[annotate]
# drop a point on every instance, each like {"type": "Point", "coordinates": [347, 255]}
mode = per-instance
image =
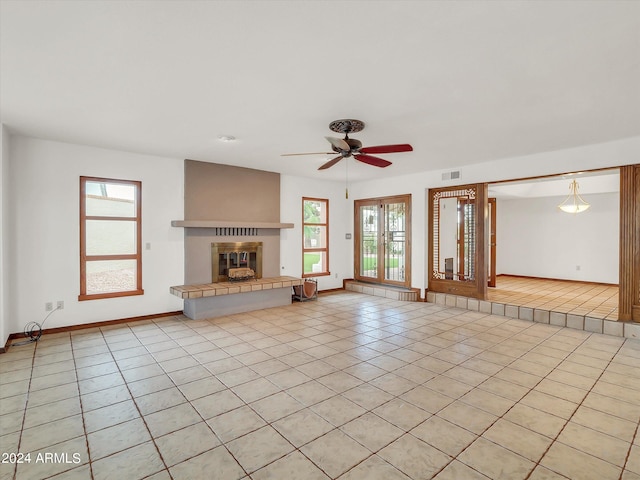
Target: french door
{"type": "Point", "coordinates": [383, 240]}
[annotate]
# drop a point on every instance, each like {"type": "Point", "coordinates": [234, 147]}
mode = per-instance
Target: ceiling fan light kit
{"type": "Point", "coordinates": [350, 147]}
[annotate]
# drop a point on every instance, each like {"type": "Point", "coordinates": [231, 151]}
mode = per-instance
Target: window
{"type": "Point", "coordinates": [315, 238]}
{"type": "Point", "coordinates": [110, 238]}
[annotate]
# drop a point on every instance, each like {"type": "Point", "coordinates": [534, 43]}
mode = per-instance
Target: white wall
{"type": "Point", "coordinates": [610, 154]}
{"type": "Point", "coordinates": [292, 189]}
{"type": "Point", "coordinates": [40, 233]}
{"type": "Point", "coordinates": [45, 231]}
{"type": "Point", "coordinates": [535, 239]}
{"type": "Point", "coordinates": [5, 257]}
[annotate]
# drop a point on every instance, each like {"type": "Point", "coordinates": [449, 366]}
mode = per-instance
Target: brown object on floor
{"type": "Point", "coordinates": [307, 291]}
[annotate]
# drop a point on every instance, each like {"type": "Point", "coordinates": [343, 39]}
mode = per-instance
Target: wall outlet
{"type": "Point", "coordinates": [578, 267]}
{"type": "Point", "coordinates": [48, 306]}
{"type": "Point", "coordinates": [60, 305]}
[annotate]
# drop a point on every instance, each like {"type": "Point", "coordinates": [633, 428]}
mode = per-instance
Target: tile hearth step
{"type": "Point", "coordinates": [230, 288]}
{"type": "Point", "coordinates": [386, 291]}
{"type": "Point", "coordinates": [538, 315]}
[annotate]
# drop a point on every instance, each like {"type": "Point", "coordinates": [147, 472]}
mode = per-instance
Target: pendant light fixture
{"type": "Point", "coordinates": [574, 203]}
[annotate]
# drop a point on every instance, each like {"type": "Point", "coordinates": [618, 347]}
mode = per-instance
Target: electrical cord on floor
{"type": "Point", "coordinates": [33, 330]}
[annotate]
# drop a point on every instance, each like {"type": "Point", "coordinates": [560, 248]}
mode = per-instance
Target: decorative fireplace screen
{"type": "Point", "coordinates": [231, 255]}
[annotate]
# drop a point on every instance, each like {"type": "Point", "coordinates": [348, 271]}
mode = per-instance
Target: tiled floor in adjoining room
{"type": "Point", "coordinates": [597, 300]}
{"type": "Point", "coordinates": [349, 386]}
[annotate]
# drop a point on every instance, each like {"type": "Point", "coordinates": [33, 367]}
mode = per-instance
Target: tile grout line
{"type": "Point", "coordinates": [453, 458]}
{"type": "Point", "coordinates": [405, 324]}
{"type": "Point", "coordinates": [633, 439]}
{"type": "Point", "coordinates": [507, 411]}
{"type": "Point", "coordinates": [107, 344]}
{"type": "Point", "coordinates": [26, 405]}
{"type": "Point", "coordinates": [443, 348]}
{"type": "Point", "coordinates": [541, 341]}
{"type": "Point", "coordinates": [84, 425]}
{"type": "Point", "coordinates": [135, 404]}
{"type": "Point", "coordinates": [574, 412]}
{"type": "Point", "coordinates": [222, 443]}
{"type": "Point", "coordinates": [268, 423]}
{"type": "Point", "coordinates": [283, 390]}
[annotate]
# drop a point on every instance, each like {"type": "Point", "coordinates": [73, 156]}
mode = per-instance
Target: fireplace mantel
{"type": "Point", "coordinates": [227, 224]}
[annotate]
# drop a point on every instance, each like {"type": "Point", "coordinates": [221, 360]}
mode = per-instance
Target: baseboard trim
{"type": "Point", "coordinates": [555, 279]}
{"type": "Point", "coordinates": [331, 290]}
{"type": "Point", "coordinates": [105, 323]}
{"type": "Point", "coordinates": [6, 346]}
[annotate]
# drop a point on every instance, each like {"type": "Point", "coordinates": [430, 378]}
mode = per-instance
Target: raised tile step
{"type": "Point", "coordinates": [224, 298]}
{"type": "Point", "coordinates": [230, 288]}
{"type": "Point", "coordinates": [578, 322]}
{"type": "Point", "coordinates": [386, 291]}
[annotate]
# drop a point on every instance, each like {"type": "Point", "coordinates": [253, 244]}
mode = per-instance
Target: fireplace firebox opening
{"type": "Point", "coordinates": [227, 256]}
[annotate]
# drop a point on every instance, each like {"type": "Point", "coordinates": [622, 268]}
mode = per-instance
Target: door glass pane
{"type": "Point", "coordinates": [110, 199]}
{"type": "Point", "coordinates": [111, 237]}
{"type": "Point", "coordinates": [469, 240]}
{"type": "Point", "coordinates": [369, 239]}
{"type": "Point", "coordinates": [108, 276]}
{"type": "Point", "coordinates": [394, 241]}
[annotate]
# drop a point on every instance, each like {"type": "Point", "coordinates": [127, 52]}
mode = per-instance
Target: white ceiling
{"type": "Point", "coordinates": [462, 81]}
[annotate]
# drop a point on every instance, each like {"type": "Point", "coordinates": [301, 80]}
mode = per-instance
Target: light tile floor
{"type": "Point", "coordinates": [595, 300]}
{"type": "Point", "coordinates": [349, 386]}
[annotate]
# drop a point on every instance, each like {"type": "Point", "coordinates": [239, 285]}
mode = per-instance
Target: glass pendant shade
{"type": "Point", "coordinates": [574, 203]}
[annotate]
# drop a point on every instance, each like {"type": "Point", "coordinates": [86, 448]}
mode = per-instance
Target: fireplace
{"type": "Point", "coordinates": [226, 256]}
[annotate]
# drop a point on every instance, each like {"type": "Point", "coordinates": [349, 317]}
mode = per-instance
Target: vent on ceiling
{"type": "Point", "coordinates": [451, 175]}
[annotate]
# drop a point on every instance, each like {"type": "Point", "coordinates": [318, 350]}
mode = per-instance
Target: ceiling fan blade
{"type": "Point", "coordinates": [403, 147]}
{"type": "Point", "coordinates": [339, 143]}
{"type": "Point", "coordinates": [312, 153]}
{"type": "Point", "coordinates": [330, 163]}
{"type": "Point", "coordinates": [375, 161]}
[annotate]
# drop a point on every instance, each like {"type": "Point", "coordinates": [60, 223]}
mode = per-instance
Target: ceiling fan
{"type": "Point", "coordinates": [350, 147]}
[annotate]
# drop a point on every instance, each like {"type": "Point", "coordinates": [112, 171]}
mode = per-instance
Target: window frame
{"type": "Point", "coordinates": [324, 249]}
{"type": "Point", "coordinates": [84, 258]}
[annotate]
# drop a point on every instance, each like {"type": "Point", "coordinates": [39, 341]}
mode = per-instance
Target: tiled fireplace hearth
{"type": "Point", "coordinates": [212, 250]}
{"type": "Point", "coordinates": [225, 298]}
{"type": "Point", "coordinates": [230, 288]}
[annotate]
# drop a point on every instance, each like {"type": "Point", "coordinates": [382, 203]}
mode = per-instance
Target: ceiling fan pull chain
{"type": "Point", "coordinates": [346, 187]}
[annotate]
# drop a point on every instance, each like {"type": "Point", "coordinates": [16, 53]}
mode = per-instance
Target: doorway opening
{"type": "Point", "coordinates": [544, 258]}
